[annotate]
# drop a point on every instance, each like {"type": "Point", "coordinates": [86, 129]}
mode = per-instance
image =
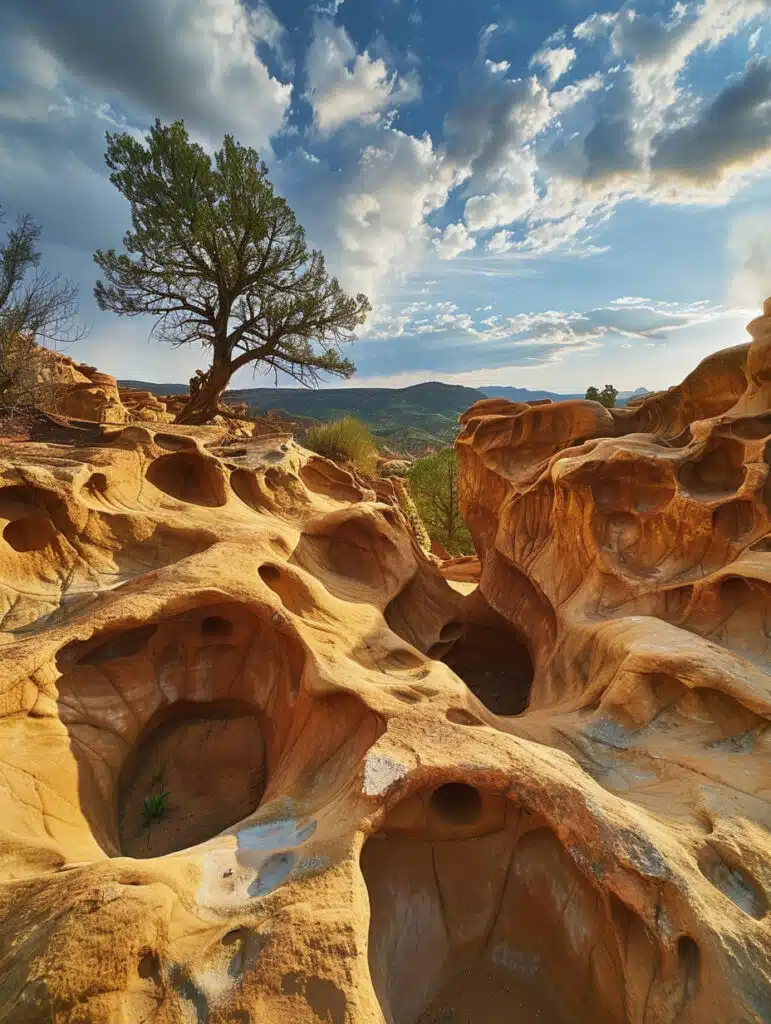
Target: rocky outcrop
{"type": "Point", "coordinates": [82, 392]}
{"type": "Point", "coordinates": [264, 760]}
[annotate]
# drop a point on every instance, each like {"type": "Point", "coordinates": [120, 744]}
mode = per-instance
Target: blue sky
{"type": "Point", "coordinates": [545, 195]}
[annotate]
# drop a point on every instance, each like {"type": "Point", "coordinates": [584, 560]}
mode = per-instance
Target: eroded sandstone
{"type": "Point", "coordinates": [392, 794]}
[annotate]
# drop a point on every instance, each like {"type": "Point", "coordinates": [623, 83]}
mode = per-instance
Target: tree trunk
{"type": "Point", "coordinates": [202, 405]}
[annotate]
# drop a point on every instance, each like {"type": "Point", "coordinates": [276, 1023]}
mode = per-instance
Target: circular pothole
{"type": "Point", "coordinates": [195, 773]}
{"type": "Point", "coordinates": [456, 803]}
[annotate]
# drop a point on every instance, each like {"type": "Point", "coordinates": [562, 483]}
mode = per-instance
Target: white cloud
{"type": "Point", "coordinates": [555, 61]}
{"type": "Point", "coordinates": [346, 86]}
{"type": "Point", "coordinates": [369, 216]}
{"type": "Point", "coordinates": [440, 337]}
{"type": "Point", "coordinates": [195, 60]}
{"type": "Point", "coordinates": [749, 248]}
{"type": "Point", "coordinates": [454, 240]}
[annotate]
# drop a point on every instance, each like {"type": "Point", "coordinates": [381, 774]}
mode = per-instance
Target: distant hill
{"type": "Point", "coordinates": [524, 395]}
{"type": "Point", "coordinates": [405, 419]}
{"type": "Point", "coordinates": [156, 389]}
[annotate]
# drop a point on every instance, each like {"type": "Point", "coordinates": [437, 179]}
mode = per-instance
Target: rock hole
{"type": "Point", "coordinates": [456, 803]}
{"type": "Point", "coordinates": [400, 660]}
{"type": "Point", "coordinates": [690, 965]}
{"type": "Point", "coordinates": [325, 478]}
{"type": "Point", "coordinates": [681, 440]}
{"type": "Point", "coordinates": [734, 520]}
{"type": "Point", "coordinates": [491, 930]}
{"type": "Point", "coordinates": [451, 631]}
{"type": "Point", "coordinates": [215, 627]}
{"type": "Point", "coordinates": [149, 968]}
{"type": "Point", "coordinates": [123, 645]}
{"type": "Point", "coordinates": [190, 478]}
{"type": "Point", "coordinates": [459, 716]}
{"type": "Point", "coordinates": [293, 592]}
{"type": "Point", "coordinates": [495, 665]}
{"type": "Point", "coordinates": [752, 428]}
{"type": "Point", "coordinates": [96, 485]}
{"type": "Point", "coordinates": [734, 882]}
{"type": "Point", "coordinates": [717, 471]}
{"type": "Point", "coordinates": [406, 696]}
{"type": "Point", "coordinates": [246, 487]}
{"type": "Point", "coordinates": [209, 760]}
{"type": "Point", "coordinates": [31, 534]}
{"type": "Point", "coordinates": [174, 442]}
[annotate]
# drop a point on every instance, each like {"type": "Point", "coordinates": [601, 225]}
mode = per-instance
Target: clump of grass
{"type": "Point", "coordinates": [345, 440]}
{"type": "Point", "coordinates": [155, 806]}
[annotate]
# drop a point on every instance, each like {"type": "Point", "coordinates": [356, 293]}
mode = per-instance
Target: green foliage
{"type": "Point", "coordinates": [434, 487]}
{"type": "Point", "coordinates": [33, 304]}
{"type": "Point", "coordinates": [606, 397]}
{"type": "Point", "coordinates": [395, 467]}
{"type": "Point", "coordinates": [344, 440]}
{"type": "Point", "coordinates": [219, 259]}
{"type": "Point", "coordinates": [155, 806]}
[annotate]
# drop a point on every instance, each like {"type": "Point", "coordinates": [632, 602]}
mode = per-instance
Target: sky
{"type": "Point", "coordinates": [546, 195]}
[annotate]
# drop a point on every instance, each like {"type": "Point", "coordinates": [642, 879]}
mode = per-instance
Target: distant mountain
{"type": "Point", "coordinates": [156, 389]}
{"type": "Point", "coordinates": [525, 395]}
{"type": "Point", "coordinates": [405, 419]}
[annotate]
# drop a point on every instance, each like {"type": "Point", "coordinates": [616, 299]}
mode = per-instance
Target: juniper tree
{"type": "Point", "coordinates": [218, 258]}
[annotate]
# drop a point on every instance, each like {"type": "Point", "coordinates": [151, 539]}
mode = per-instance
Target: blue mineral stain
{"type": "Point", "coordinates": [273, 873]}
{"type": "Point", "coordinates": [612, 734]}
{"type": "Point", "coordinates": [275, 835]}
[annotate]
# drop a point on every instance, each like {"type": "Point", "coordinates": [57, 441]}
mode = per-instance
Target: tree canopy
{"type": "Point", "coordinates": [606, 397]}
{"type": "Point", "coordinates": [34, 304]}
{"type": "Point", "coordinates": [434, 486]}
{"type": "Point", "coordinates": [219, 259]}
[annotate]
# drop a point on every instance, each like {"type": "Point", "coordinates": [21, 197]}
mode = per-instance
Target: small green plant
{"type": "Point", "coordinates": [345, 440]}
{"type": "Point", "coordinates": [155, 806]}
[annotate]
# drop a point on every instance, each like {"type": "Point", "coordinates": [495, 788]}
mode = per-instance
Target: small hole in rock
{"type": "Point", "coordinates": [97, 484]}
{"type": "Point", "coordinates": [450, 631]}
{"type": "Point", "coordinates": [215, 626]}
{"type": "Point", "coordinates": [456, 803]}
{"type": "Point", "coordinates": [150, 968]}
{"type": "Point", "coordinates": [459, 716]}
{"type": "Point", "coordinates": [690, 965]}
{"type": "Point", "coordinates": [31, 534]}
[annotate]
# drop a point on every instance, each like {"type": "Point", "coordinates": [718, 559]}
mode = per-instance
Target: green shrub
{"type": "Point", "coordinates": [345, 440]}
{"type": "Point", "coordinates": [434, 487]}
{"type": "Point", "coordinates": [155, 806]}
{"type": "Point", "coordinates": [393, 468]}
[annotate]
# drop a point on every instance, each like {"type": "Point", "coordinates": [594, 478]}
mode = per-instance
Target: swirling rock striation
{"type": "Point", "coordinates": [263, 760]}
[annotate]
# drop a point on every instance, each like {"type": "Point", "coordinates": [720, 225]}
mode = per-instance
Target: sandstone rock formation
{"type": "Point", "coordinates": [262, 762]}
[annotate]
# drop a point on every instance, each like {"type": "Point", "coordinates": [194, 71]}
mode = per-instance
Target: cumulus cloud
{"type": "Point", "coordinates": [196, 60]}
{"type": "Point", "coordinates": [349, 86]}
{"type": "Point", "coordinates": [369, 216]}
{"type": "Point", "coordinates": [555, 61]}
{"type": "Point", "coordinates": [452, 241]}
{"type": "Point", "coordinates": [441, 338]}
{"type": "Point", "coordinates": [730, 134]}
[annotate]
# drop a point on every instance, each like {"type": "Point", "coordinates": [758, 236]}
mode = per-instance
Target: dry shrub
{"type": "Point", "coordinates": [344, 440]}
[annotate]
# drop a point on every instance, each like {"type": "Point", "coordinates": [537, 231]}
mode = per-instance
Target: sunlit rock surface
{"type": "Point", "coordinates": [260, 761]}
